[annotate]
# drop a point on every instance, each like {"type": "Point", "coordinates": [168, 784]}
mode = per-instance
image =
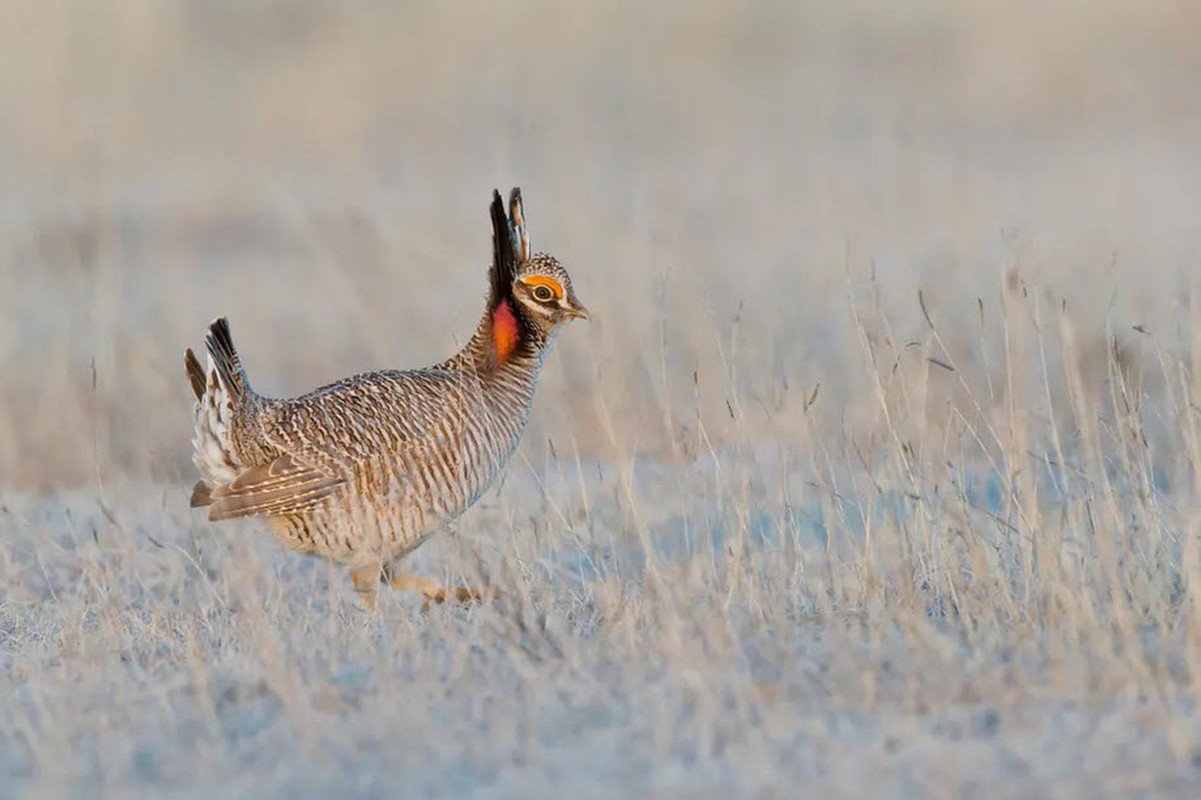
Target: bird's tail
{"type": "Point", "coordinates": [221, 389]}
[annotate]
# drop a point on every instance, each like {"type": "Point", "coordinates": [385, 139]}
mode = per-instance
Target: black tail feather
{"type": "Point", "coordinates": [220, 345]}
{"type": "Point", "coordinates": [195, 373]}
{"type": "Point", "coordinates": [202, 495]}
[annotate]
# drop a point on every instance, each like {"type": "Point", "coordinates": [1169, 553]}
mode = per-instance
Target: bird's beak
{"type": "Point", "coordinates": [579, 312]}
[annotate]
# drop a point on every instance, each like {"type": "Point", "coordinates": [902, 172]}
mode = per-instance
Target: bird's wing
{"type": "Point", "coordinates": [283, 486]}
{"type": "Point", "coordinates": [328, 436]}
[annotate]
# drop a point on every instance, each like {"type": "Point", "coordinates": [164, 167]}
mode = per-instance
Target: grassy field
{"type": "Point", "coordinates": [877, 475]}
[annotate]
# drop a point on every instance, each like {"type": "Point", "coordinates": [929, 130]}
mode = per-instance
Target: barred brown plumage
{"type": "Point", "coordinates": [363, 470]}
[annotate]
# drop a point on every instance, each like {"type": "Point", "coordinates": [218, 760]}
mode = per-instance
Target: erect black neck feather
{"type": "Point", "coordinates": [504, 256]}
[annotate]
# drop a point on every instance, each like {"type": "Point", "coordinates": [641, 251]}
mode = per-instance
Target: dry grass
{"type": "Point", "coordinates": [780, 526]}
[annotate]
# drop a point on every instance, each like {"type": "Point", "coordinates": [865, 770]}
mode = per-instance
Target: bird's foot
{"type": "Point", "coordinates": [461, 594]}
{"type": "Point", "coordinates": [437, 593]}
{"type": "Point", "coordinates": [366, 580]}
{"type": "Point", "coordinates": [365, 583]}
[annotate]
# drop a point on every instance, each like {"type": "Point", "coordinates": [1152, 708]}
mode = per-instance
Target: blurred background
{"type": "Point", "coordinates": [724, 180]}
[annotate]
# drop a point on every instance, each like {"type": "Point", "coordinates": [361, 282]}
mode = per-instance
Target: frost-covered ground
{"type": "Point", "coordinates": [653, 639]}
{"type": "Point", "coordinates": [780, 526]}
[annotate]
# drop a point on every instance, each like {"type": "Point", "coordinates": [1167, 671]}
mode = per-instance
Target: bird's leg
{"type": "Point", "coordinates": [365, 582]}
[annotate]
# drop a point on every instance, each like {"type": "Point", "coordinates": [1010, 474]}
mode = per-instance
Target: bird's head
{"type": "Point", "coordinates": [531, 292]}
{"type": "Point", "coordinates": [543, 290]}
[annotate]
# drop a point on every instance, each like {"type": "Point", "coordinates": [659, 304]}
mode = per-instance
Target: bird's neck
{"type": "Point", "coordinates": [504, 342]}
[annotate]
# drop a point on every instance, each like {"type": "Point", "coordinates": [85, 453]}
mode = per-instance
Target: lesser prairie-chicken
{"type": "Point", "coordinates": [362, 471]}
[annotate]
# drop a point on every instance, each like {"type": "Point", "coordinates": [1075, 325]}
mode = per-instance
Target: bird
{"type": "Point", "coordinates": [364, 470]}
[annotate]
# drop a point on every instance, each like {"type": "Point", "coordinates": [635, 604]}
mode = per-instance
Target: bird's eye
{"type": "Point", "coordinates": [543, 293]}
